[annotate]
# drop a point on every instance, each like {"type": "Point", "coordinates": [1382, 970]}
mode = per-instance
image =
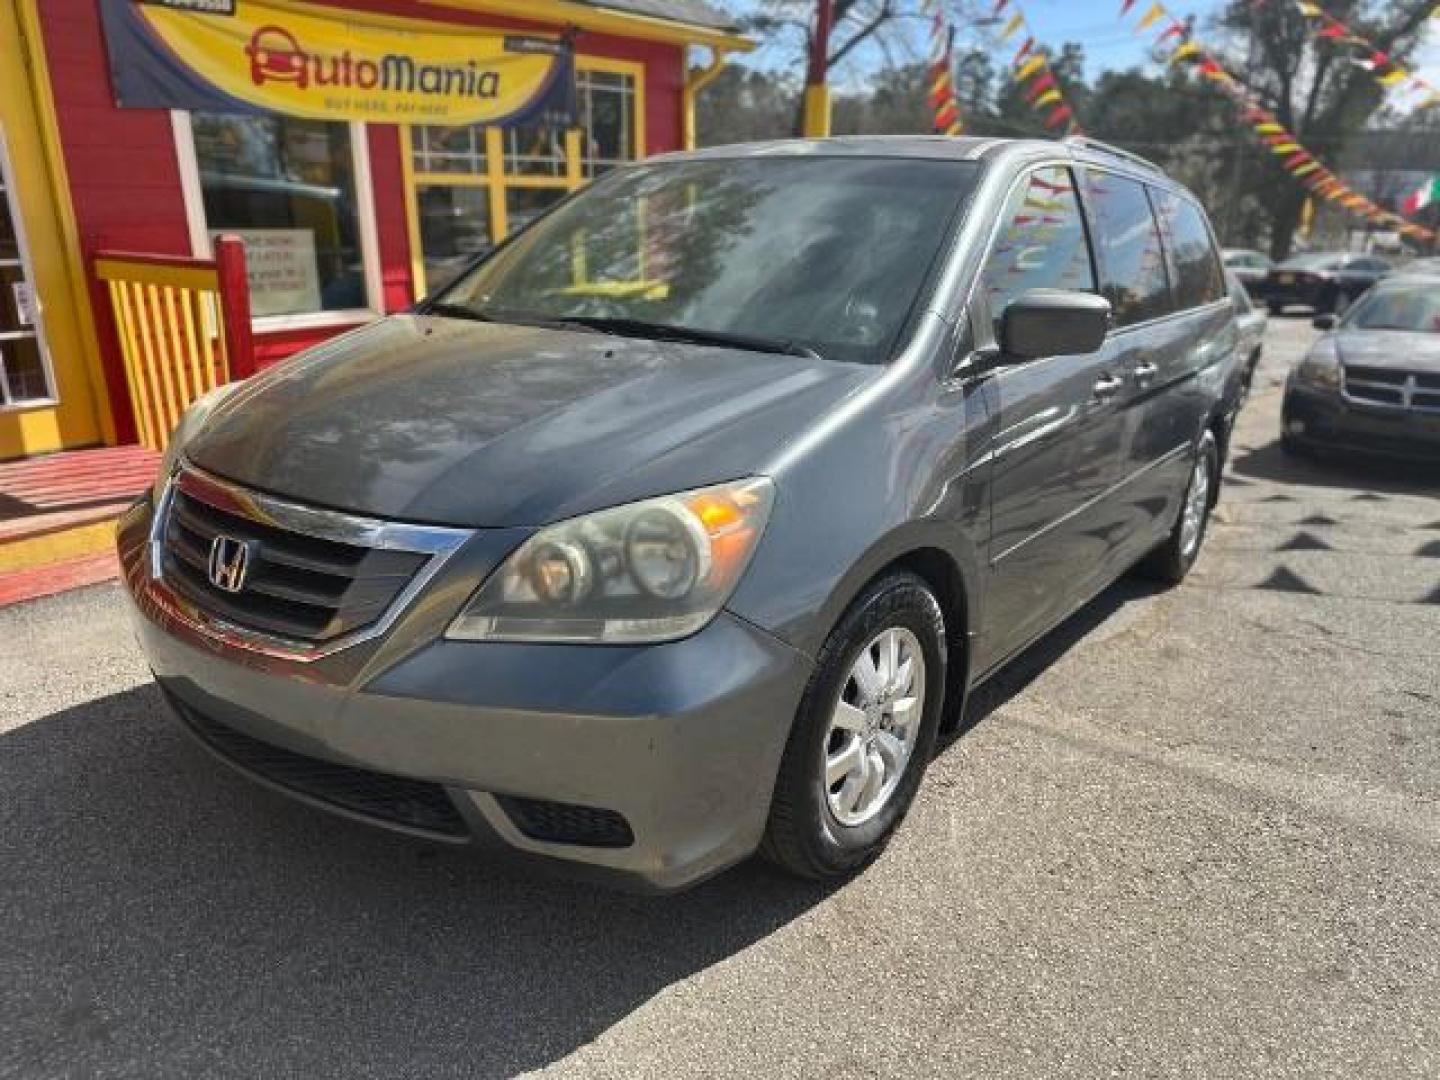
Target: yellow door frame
{"type": "Point", "coordinates": [27, 107]}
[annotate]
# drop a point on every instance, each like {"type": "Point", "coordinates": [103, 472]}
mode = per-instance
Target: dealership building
{"type": "Point", "coordinates": [361, 152]}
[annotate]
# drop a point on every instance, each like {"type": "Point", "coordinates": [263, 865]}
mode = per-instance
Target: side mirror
{"type": "Point", "coordinates": [1323, 322]}
{"type": "Point", "coordinates": [1053, 322]}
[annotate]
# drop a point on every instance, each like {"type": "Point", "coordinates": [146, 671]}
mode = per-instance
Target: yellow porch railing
{"type": "Point", "coordinates": [183, 327]}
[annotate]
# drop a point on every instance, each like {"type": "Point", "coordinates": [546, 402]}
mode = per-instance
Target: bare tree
{"type": "Point", "coordinates": [855, 23]}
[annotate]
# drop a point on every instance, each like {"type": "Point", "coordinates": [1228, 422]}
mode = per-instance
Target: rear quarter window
{"type": "Point", "coordinates": [1196, 272]}
{"type": "Point", "coordinates": [1127, 243]}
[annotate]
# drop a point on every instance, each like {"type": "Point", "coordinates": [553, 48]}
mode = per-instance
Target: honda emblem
{"type": "Point", "coordinates": [229, 563]}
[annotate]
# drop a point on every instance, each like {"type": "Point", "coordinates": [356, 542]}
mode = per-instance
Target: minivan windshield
{"type": "Point", "coordinates": [823, 255]}
{"type": "Point", "coordinates": [1415, 308]}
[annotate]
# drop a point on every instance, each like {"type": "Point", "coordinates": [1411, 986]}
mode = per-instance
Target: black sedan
{"type": "Point", "coordinates": [1373, 383]}
{"type": "Point", "coordinates": [1322, 281]}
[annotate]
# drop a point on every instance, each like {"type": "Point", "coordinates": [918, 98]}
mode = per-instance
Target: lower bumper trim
{"type": "Point", "coordinates": [562, 823]}
{"type": "Point", "coordinates": [391, 801]}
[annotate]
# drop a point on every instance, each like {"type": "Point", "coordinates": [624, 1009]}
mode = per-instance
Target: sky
{"type": "Point", "coordinates": [1108, 42]}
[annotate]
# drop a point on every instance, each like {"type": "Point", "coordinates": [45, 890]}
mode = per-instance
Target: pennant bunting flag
{"type": "Point", "coordinates": [1151, 17]}
{"type": "Point", "coordinates": [944, 105]}
{"type": "Point", "coordinates": [1031, 69]}
{"type": "Point", "coordinates": [1294, 158]}
{"type": "Point", "coordinates": [1325, 27]}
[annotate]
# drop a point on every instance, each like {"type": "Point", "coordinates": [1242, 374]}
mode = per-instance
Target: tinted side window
{"type": "Point", "coordinates": [1132, 263]}
{"type": "Point", "coordinates": [1198, 277]}
{"type": "Point", "coordinates": [1041, 243]}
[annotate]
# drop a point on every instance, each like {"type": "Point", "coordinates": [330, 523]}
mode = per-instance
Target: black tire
{"type": "Point", "coordinates": [1275, 309]}
{"type": "Point", "coordinates": [803, 835]}
{"type": "Point", "coordinates": [1171, 561]}
{"type": "Point", "coordinates": [1247, 384]}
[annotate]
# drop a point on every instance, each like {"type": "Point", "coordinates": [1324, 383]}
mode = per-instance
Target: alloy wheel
{"type": "Point", "coordinates": [1197, 505]}
{"type": "Point", "coordinates": [874, 726]}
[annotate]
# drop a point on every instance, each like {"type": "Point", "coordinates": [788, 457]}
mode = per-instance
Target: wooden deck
{"type": "Point", "coordinates": [57, 514]}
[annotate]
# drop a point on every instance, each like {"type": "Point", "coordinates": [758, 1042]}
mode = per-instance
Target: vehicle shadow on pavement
{"type": "Point", "coordinates": [1376, 474]}
{"type": "Point", "coordinates": [162, 916]}
{"type": "Point", "coordinates": [1019, 673]}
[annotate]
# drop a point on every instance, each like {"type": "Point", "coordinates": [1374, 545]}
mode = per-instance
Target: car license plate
{"type": "Point", "coordinates": [1286, 279]}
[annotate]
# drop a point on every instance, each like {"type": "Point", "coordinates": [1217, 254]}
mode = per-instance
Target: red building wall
{"type": "Point", "coordinates": [125, 180]}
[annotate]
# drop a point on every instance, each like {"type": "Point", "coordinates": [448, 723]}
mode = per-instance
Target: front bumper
{"type": "Point", "coordinates": [656, 763]}
{"type": "Point", "coordinates": [1327, 421]}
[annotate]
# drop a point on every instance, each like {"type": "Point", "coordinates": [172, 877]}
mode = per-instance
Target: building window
{"type": "Point", "coordinates": [24, 373]}
{"type": "Point", "coordinates": [289, 188]}
{"type": "Point", "coordinates": [475, 186]}
{"type": "Point", "coordinates": [606, 101]}
{"type": "Point", "coordinates": [454, 228]}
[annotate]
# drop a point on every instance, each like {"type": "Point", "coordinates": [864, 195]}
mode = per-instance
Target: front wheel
{"type": "Point", "coordinates": [1171, 561]}
{"type": "Point", "coordinates": [864, 732]}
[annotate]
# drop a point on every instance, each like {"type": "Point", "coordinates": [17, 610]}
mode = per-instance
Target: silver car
{"type": "Point", "coordinates": [680, 525]}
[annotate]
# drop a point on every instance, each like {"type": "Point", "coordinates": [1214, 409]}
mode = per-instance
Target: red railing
{"type": "Point", "coordinates": [183, 327]}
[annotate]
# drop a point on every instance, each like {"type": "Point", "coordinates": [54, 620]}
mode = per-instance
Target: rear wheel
{"type": "Point", "coordinates": [1171, 561]}
{"type": "Point", "coordinates": [864, 733]}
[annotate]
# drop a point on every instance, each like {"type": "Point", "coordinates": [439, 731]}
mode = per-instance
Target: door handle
{"type": "Point", "coordinates": [1145, 372]}
{"type": "Point", "coordinates": [1107, 386]}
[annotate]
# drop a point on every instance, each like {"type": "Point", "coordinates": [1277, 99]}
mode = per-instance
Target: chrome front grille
{"type": "Point", "coordinates": [311, 581]}
{"type": "Point", "coordinates": [1410, 390]}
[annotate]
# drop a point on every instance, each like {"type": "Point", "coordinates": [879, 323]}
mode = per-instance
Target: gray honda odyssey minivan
{"type": "Point", "coordinates": [679, 525]}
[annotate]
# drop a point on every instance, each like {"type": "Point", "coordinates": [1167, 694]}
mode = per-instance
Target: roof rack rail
{"type": "Point", "coordinates": [1087, 143]}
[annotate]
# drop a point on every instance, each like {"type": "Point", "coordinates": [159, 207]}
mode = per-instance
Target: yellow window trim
{"type": "Point", "coordinates": [495, 179]}
{"type": "Point", "coordinates": [444, 179]}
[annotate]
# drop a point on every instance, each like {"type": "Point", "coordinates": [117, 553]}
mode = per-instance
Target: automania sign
{"type": "Point", "coordinates": [324, 63]}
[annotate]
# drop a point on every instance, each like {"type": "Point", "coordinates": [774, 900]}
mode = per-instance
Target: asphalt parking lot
{"type": "Point", "coordinates": [1193, 833]}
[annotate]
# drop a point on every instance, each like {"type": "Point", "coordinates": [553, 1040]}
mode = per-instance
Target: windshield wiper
{"type": "Point", "coordinates": [694, 335]}
{"type": "Point", "coordinates": [495, 315]}
{"type": "Point", "coordinates": [454, 311]}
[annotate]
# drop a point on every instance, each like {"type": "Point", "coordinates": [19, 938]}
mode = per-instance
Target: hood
{"type": "Point", "coordinates": [1397, 350]}
{"type": "Point", "coordinates": [453, 422]}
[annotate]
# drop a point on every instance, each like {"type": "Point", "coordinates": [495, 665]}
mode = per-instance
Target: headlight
{"type": "Point", "coordinates": [1321, 367]}
{"type": "Point", "coordinates": [651, 571]}
{"type": "Point", "coordinates": [191, 421]}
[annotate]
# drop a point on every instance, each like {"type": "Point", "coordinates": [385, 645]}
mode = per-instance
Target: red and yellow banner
{"type": "Point", "coordinates": [329, 64]}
